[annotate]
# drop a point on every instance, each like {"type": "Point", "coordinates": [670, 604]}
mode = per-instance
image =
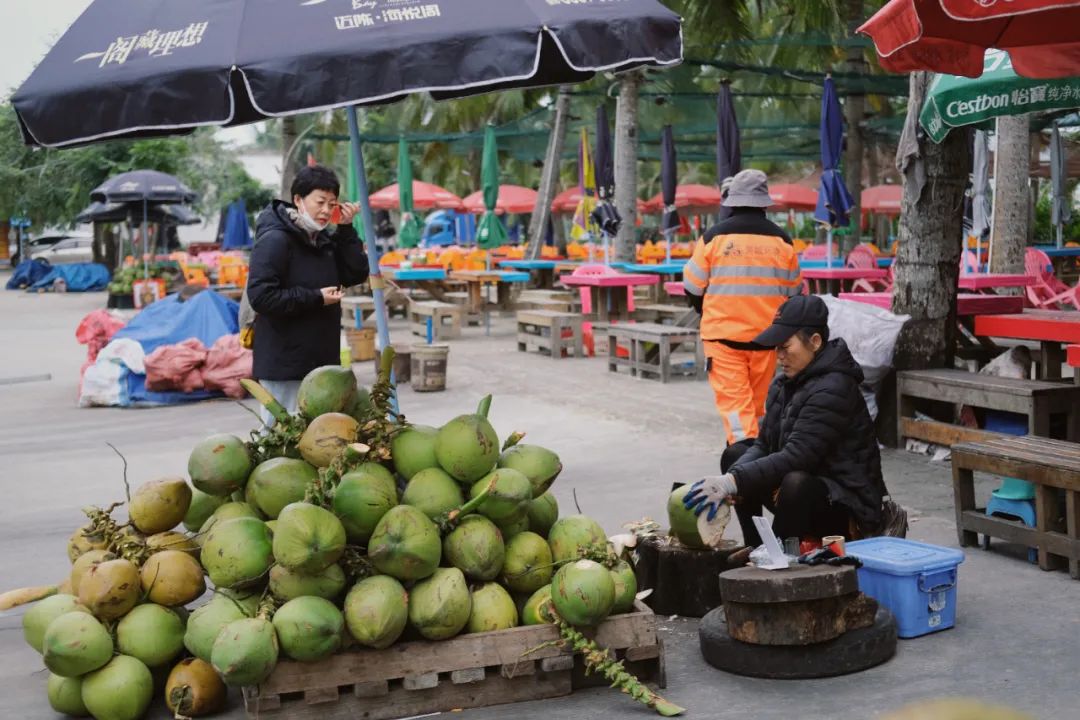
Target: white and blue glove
{"type": "Point", "coordinates": [710, 493]}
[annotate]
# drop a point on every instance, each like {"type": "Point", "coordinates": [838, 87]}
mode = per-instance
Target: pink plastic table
{"type": "Point", "coordinates": [674, 288]}
{"type": "Point", "coordinates": [609, 292]}
{"type": "Point", "coordinates": [967, 305]}
{"type": "Point", "coordinates": [989, 281]}
{"type": "Point", "coordinates": [833, 278]}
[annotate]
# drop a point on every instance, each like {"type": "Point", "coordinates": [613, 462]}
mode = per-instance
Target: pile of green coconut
{"type": "Point", "coordinates": [340, 528]}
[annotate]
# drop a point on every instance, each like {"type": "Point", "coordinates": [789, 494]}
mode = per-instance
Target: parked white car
{"type": "Point", "coordinates": [75, 248]}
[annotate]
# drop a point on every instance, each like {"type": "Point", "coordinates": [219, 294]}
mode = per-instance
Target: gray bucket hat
{"type": "Point", "coordinates": [749, 188]}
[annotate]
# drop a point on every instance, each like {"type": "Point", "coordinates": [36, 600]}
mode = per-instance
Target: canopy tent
{"type": "Point", "coordinates": [511, 199]}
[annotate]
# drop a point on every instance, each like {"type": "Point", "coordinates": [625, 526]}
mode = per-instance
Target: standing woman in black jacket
{"type": "Point", "coordinates": [815, 463]}
{"type": "Point", "coordinates": [295, 282]}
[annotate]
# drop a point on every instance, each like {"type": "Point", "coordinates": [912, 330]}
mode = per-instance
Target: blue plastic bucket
{"type": "Point", "coordinates": [915, 581]}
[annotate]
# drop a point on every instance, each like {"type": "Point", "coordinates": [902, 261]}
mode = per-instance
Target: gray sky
{"type": "Point", "coordinates": [32, 28]}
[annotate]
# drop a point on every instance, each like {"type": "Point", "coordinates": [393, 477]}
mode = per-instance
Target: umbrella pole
{"type": "Point", "coordinates": [667, 244]}
{"type": "Point", "coordinates": [828, 247]}
{"type": "Point", "coordinates": [375, 278]}
{"type": "Point", "coordinates": [145, 244]}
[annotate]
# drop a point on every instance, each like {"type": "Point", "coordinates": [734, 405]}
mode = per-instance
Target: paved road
{"type": "Point", "coordinates": [623, 442]}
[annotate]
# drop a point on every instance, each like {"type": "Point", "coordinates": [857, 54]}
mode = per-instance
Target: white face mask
{"type": "Point", "coordinates": [307, 222]}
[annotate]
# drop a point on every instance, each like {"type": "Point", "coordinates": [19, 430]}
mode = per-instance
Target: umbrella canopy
{"type": "Point", "coordinates": [690, 199]}
{"type": "Point", "coordinates": [728, 152]}
{"type": "Point", "coordinates": [410, 229]}
{"type": "Point", "coordinates": [143, 185]}
{"type": "Point", "coordinates": [882, 199]}
{"type": "Point", "coordinates": [1061, 207]}
{"type": "Point", "coordinates": [159, 67]}
{"type": "Point", "coordinates": [981, 208]}
{"type": "Point", "coordinates": [581, 228]}
{"type": "Point", "coordinates": [606, 215]}
{"type": "Point", "coordinates": [237, 229]}
{"type": "Point", "coordinates": [669, 173]}
{"type": "Point", "coordinates": [950, 36]}
{"type": "Point", "coordinates": [490, 232]}
{"type": "Point", "coordinates": [509, 198]}
{"type": "Point", "coordinates": [425, 196]}
{"type": "Point", "coordinates": [787, 196]}
{"type": "Point", "coordinates": [954, 101]}
{"type": "Point", "coordinates": [834, 200]}
{"type": "Point", "coordinates": [122, 212]}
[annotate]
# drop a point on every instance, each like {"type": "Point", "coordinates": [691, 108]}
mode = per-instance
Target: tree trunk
{"type": "Point", "coordinates": [1011, 201]}
{"type": "Point", "coordinates": [626, 151]}
{"type": "Point", "coordinates": [854, 113]}
{"type": "Point", "coordinates": [928, 256]}
{"type": "Point", "coordinates": [549, 181]}
{"type": "Point", "coordinates": [288, 162]}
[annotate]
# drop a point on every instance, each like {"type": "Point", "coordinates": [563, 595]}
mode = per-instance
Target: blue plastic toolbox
{"type": "Point", "coordinates": [915, 581]}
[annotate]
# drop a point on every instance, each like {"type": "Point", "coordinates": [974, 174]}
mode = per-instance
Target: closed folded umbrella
{"type": "Point", "coordinates": [1061, 207]}
{"type": "Point", "coordinates": [490, 232]}
{"type": "Point", "coordinates": [834, 200]}
{"type": "Point", "coordinates": [237, 228]}
{"type": "Point", "coordinates": [728, 152]}
{"type": "Point", "coordinates": [669, 178]}
{"type": "Point", "coordinates": [605, 214]}
{"type": "Point", "coordinates": [582, 227]}
{"type": "Point", "coordinates": [410, 230]}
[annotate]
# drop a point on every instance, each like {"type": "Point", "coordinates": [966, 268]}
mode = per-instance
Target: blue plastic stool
{"type": "Point", "coordinates": [1021, 509]}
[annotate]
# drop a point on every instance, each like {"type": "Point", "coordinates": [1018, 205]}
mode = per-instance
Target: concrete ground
{"type": "Point", "coordinates": [623, 441]}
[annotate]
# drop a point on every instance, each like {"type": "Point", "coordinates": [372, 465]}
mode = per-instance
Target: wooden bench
{"type": "Point", "coordinates": [562, 295]}
{"type": "Point", "coordinates": [1037, 399]}
{"type": "Point", "coordinates": [445, 319]}
{"type": "Point", "coordinates": [1052, 466]}
{"type": "Point", "coordinates": [650, 347]}
{"type": "Point", "coordinates": [679, 315]}
{"type": "Point", "coordinates": [355, 310]}
{"type": "Point", "coordinates": [555, 333]}
{"type": "Point", "coordinates": [559, 306]}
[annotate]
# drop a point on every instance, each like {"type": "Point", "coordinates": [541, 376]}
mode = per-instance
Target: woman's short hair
{"type": "Point", "coordinates": [314, 177]}
{"type": "Point", "coordinates": [806, 333]}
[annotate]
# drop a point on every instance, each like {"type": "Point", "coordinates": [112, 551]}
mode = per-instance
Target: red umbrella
{"type": "Point", "coordinates": [882, 199]}
{"type": "Point", "coordinates": [512, 199]}
{"type": "Point", "coordinates": [690, 200]}
{"type": "Point", "coordinates": [787, 196]}
{"type": "Point", "coordinates": [568, 200]}
{"type": "Point", "coordinates": [425, 197]}
{"type": "Point", "coordinates": [951, 36]}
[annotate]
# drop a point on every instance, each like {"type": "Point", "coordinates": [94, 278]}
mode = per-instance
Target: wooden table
{"type": "Point", "coordinates": [542, 270]}
{"type": "Point", "coordinates": [430, 279]}
{"type": "Point", "coordinates": [502, 280]}
{"type": "Point", "coordinates": [834, 278]}
{"type": "Point", "coordinates": [990, 281]}
{"type": "Point", "coordinates": [1052, 329]}
{"type": "Point", "coordinates": [609, 293]}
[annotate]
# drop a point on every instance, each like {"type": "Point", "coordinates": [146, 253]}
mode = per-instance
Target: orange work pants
{"type": "Point", "coordinates": [740, 380]}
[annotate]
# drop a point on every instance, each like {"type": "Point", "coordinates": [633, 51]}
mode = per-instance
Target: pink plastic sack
{"type": "Point", "coordinates": [95, 331]}
{"type": "Point", "coordinates": [176, 367]}
{"type": "Point", "coordinates": [226, 365]}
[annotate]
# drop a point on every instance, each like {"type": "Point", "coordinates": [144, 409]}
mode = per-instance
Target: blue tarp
{"type": "Point", "coordinates": [79, 277]}
{"type": "Point", "coordinates": [27, 273]}
{"type": "Point", "coordinates": [206, 316]}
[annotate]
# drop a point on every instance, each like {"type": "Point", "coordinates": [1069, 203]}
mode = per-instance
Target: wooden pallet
{"type": "Point", "coordinates": [354, 305]}
{"type": "Point", "coordinates": [556, 334]}
{"type": "Point", "coordinates": [445, 319]}
{"type": "Point", "coordinates": [474, 670]}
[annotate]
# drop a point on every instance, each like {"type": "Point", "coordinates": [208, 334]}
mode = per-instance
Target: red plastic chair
{"type": "Point", "coordinates": [1048, 293]}
{"type": "Point", "coordinates": [815, 252]}
{"type": "Point", "coordinates": [863, 257]}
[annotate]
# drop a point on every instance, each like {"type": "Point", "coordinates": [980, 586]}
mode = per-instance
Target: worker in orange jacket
{"type": "Point", "coordinates": [742, 270]}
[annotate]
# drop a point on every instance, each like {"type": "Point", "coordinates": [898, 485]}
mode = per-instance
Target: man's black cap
{"type": "Point", "coordinates": [801, 311]}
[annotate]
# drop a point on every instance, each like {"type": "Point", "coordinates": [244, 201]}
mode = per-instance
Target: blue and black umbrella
{"type": "Point", "coordinates": [728, 151]}
{"type": "Point", "coordinates": [605, 214]}
{"type": "Point", "coordinates": [237, 233]}
{"type": "Point", "coordinates": [834, 200]}
{"type": "Point", "coordinates": [669, 181]}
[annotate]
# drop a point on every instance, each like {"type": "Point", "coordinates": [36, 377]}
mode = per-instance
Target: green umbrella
{"type": "Point", "coordinates": [954, 101]}
{"type": "Point", "coordinates": [490, 232]}
{"type": "Point", "coordinates": [411, 229]}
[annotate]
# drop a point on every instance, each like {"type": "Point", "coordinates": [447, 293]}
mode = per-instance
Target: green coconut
{"type": "Point", "coordinates": [122, 690]}
{"type": "Point", "coordinates": [193, 689]}
{"type": "Point", "coordinates": [467, 447]}
{"type": "Point", "coordinates": [439, 607]}
{"type": "Point", "coordinates": [249, 598]}
{"type": "Point", "coordinates": [65, 696]}
{"type": "Point", "coordinates": [40, 615]}
{"type": "Point", "coordinates": [86, 561]}
{"type": "Point", "coordinates": [528, 563]}
{"type": "Point", "coordinates": [83, 541]}
{"type": "Point", "coordinates": [288, 584]}
{"type": "Point", "coordinates": [206, 623]}
{"type": "Point", "coordinates": [110, 588]}
{"type": "Point", "coordinates": [151, 633]}
{"type": "Point", "coordinates": [326, 436]}
{"type": "Point", "coordinates": [361, 408]}
{"type": "Point", "coordinates": [413, 450]}
{"type": "Point", "coordinates": [245, 652]}
{"type": "Point", "coordinates": [492, 609]}
{"type": "Point", "coordinates": [583, 592]}
{"type": "Point", "coordinates": [326, 389]}
{"type": "Point", "coordinates": [278, 482]}
{"type": "Point", "coordinates": [405, 544]}
{"type": "Point", "coordinates": [361, 499]}
{"type": "Point", "coordinates": [538, 464]}
{"type": "Point", "coordinates": [625, 587]}
{"type": "Point", "coordinates": [200, 509]}
{"type": "Point", "coordinates": [376, 611]}
{"type": "Point", "coordinates": [683, 522]}
{"type": "Point", "coordinates": [309, 628]}
{"type": "Point", "coordinates": [513, 526]}
{"type": "Point", "coordinates": [227, 511]}
{"type": "Point", "coordinates": [308, 538]}
{"type": "Point", "coordinates": [531, 612]}
{"type": "Point", "coordinates": [219, 465]}
{"type": "Point", "coordinates": [543, 512]}
{"type": "Point", "coordinates": [475, 547]}
{"type": "Point", "coordinates": [434, 492]}
{"type": "Point", "coordinates": [76, 643]}
{"type": "Point", "coordinates": [509, 498]}
{"type": "Point", "coordinates": [237, 552]}
{"type": "Point", "coordinates": [159, 505]}
{"type": "Point", "coordinates": [571, 535]}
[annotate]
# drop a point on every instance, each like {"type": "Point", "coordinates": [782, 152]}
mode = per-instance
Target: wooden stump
{"type": "Point", "coordinates": [684, 581]}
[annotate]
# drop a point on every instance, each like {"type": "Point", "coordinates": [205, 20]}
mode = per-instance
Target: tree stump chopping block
{"type": "Point", "coordinates": [802, 605]}
{"type": "Point", "coordinates": [683, 580]}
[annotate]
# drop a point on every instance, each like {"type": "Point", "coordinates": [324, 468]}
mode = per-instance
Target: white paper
{"type": "Point", "coordinates": [777, 559]}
